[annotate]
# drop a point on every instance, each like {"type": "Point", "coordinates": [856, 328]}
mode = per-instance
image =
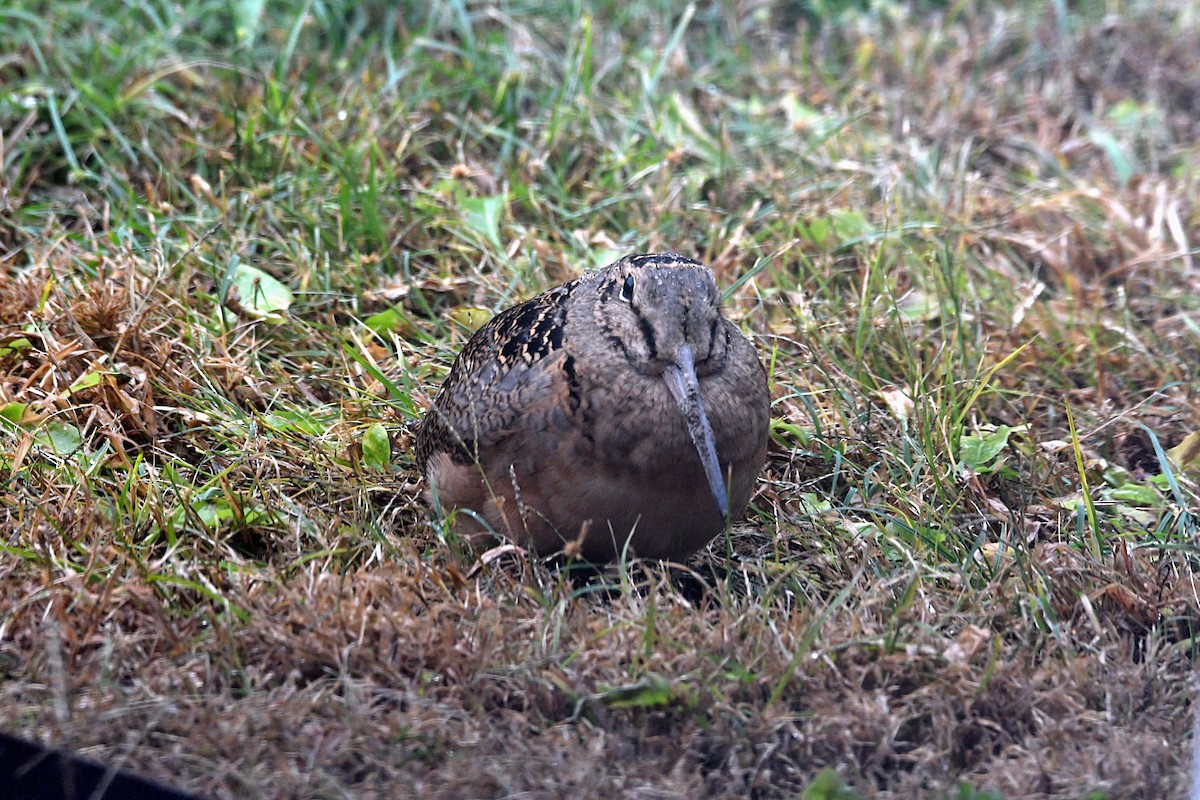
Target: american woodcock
{"type": "Point", "coordinates": [618, 409]}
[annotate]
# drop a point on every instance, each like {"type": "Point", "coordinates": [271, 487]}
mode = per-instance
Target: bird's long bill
{"type": "Point", "coordinates": [681, 380]}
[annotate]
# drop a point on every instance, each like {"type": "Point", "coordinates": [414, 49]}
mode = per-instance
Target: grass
{"type": "Point", "coordinates": [242, 242]}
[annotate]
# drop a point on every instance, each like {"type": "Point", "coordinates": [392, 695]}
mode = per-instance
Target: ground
{"type": "Point", "coordinates": [242, 241]}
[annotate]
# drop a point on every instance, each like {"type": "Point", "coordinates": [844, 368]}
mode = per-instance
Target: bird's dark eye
{"type": "Point", "coordinates": [627, 289]}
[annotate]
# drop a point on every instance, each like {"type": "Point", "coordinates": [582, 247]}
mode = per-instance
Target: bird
{"type": "Point", "coordinates": [617, 415]}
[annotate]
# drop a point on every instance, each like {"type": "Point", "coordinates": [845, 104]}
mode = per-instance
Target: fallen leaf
{"type": "Point", "coordinates": [966, 645]}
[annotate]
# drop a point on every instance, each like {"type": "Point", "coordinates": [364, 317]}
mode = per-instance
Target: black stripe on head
{"type": "Point", "coordinates": [648, 335]}
{"type": "Point", "coordinates": [574, 398]}
{"type": "Point", "coordinates": [576, 402]}
{"type": "Point", "coordinates": [646, 259]}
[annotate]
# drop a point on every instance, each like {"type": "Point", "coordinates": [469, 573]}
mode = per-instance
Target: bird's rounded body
{"type": "Point", "coordinates": [570, 421]}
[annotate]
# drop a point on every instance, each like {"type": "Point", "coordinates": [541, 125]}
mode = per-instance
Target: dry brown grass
{"type": "Point", "coordinates": [401, 676]}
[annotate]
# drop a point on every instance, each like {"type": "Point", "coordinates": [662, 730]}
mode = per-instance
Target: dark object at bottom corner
{"type": "Point", "coordinates": [29, 771]}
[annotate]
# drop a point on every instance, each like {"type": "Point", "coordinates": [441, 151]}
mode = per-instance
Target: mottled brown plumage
{"type": "Point", "coordinates": [618, 409]}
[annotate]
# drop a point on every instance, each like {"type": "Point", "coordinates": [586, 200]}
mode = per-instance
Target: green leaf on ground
{"type": "Point", "coordinates": [653, 692]}
{"type": "Point", "coordinates": [377, 448]}
{"type": "Point", "coordinates": [482, 215]}
{"type": "Point", "coordinates": [62, 437]}
{"type": "Point", "coordinates": [1185, 456]}
{"type": "Point", "coordinates": [828, 785]}
{"type": "Point", "coordinates": [260, 295]}
{"type": "Point", "coordinates": [1138, 493]}
{"type": "Point", "coordinates": [14, 412]}
{"type": "Point", "coordinates": [978, 451]}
